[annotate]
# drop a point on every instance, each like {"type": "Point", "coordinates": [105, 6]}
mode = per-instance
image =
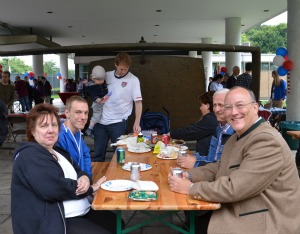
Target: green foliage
{"type": "Point", "coordinates": [268, 38]}
{"type": "Point", "coordinates": [50, 68]}
{"type": "Point", "coordinates": [15, 65]}
{"type": "Point", "coordinates": [71, 73]}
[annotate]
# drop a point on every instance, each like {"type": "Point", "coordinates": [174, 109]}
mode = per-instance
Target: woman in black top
{"type": "Point", "coordinates": [202, 130]}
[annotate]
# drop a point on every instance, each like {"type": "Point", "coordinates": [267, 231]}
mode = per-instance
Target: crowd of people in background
{"type": "Point", "coordinates": [24, 92]}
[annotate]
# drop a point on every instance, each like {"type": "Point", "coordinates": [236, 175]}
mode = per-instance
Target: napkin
{"type": "Point", "coordinates": [138, 147]}
{"type": "Point", "coordinates": [119, 142]}
{"type": "Point", "coordinates": [145, 185]}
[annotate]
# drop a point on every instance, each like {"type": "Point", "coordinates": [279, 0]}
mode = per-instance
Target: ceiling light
{"type": "Point", "coordinates": [156, 25]}
{"type": "Point", "coordinates": [83, 36]}
{"type": "Point", "coordinates": [242, 25]}
{"type": "Point", "coordinates": [158, 10]}
{"type": "Point", "coordinates": [49, 12]}
{"type": "Point", "coordinates": [266, 10]}
{"type": "Point", "coordinates": [70, 26]}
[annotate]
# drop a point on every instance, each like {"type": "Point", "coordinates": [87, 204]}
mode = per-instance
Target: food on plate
{"type": "Point", "coordinates": [168, 152]}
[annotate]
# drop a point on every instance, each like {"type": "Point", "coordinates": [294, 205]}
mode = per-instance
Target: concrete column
{"type": "Point", "coordinates": [37, 65]}
{"type": "Point", "coordinates": [293, 35]}
{"type": "Point", "coordinates": [63, 59]}
{"type": "Point", "coordinates": [207, 61]}
{"type": "Point", "coordinates": [232, 37]}
{"type": "Point", "coordinates": [193, 54]}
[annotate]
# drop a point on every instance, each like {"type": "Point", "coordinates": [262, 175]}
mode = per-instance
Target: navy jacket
{"type": "Point", "coordinates": [200, 131]}
{"type": "Point", "coordinates": [95, 91]}
{"type": "Point", "coordinates": [37, 190]}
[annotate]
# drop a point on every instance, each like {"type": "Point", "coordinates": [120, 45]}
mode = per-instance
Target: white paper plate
{"type": "Point", "coordinates": [169, 150]}
{"type": "Point", "coordinates": [144, 166]}
{"type": "Point", "coordinates": [117, 185]}
{"type": "Point", "coordinates": [164, 157]}
{"type": "Point", "coordinates": [137, 150]}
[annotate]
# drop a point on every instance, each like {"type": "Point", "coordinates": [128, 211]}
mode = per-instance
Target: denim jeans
{"type": "Point", "coordinates": [102, 133]}
{"type": "Point", "coordinates": [24, 103]}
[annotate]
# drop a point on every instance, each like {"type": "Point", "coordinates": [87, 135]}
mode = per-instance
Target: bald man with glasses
{"type": "Point", "coordinates": [256, 180]}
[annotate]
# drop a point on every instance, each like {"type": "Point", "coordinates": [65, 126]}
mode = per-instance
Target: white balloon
{"type": "Point", "coordinates": [278, 60]}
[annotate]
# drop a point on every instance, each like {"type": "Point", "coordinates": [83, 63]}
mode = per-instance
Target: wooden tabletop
{"type": "Point", "coordinates": [294, 134]}
{"type": "Point", "coordinates": [167, 200]}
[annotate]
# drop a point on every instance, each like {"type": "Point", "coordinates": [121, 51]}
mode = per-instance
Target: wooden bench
{"type": "Point", "coordinates": [99, 169]}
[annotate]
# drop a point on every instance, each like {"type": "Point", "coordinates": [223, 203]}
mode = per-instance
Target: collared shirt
{"type": "Point", "coordinates": [244, 80]}
{"type": "Point", "coordinates": [224, 129]}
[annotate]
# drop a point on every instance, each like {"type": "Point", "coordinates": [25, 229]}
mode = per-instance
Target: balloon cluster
{"type": "Point", "coordinates": [281, 60]}
{"type": "Point", "coordinates": [30, 74]}
{"type": "Point", "coordinates": [223, 70]}
{"type": "Point", "coordinates": [59, 77]}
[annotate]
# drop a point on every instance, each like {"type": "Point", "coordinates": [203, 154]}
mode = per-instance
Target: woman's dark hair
{"type": "Point", "coordinates": [39, 111]}
{"type": "Point", "coordinates": [207, 98]}
{"type": "Point", "coordinates": [218, 76]}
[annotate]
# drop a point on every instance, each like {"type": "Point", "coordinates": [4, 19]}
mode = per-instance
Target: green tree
{"type": "Point", "coordinates": [15, 65]}
{"type": "Point", "coordinates": [71, 73]}
{"type": "Point", "coordinates": [50, 68]}
{"type": "Point", "coordinates": [268, 38]}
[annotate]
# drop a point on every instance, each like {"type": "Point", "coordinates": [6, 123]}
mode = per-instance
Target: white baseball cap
{"type": "Point", "coordinates": [98, 72]}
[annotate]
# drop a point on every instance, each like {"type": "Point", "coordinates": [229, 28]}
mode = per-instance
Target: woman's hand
{"type": "Point", "coordinates": [97, 185]}
{"type": "Point", "coordinates": [83, 184]}
{"type": "Point", "coordinates": [186, 162]}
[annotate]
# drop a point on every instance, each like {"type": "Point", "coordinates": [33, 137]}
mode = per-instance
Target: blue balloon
{"type": "Point", "coordinates": [58, 74]}
{"type": "Point", "coordinates": [31, 77]}
{"type": "Point", "coordinates": [26, 74]}
{"type": "Point", "coordinates": [222, 73]}
{"type": "Point", "coordinates": [282, 71]}
{"type": "Point", "coordinates": [281, 51]}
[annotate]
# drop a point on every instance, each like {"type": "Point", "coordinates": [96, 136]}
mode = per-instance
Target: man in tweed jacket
{"type": "Point", "coordinates": [256, 180]}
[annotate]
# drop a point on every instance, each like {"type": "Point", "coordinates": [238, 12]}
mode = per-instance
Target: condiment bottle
{"type": "Point", "coordinates": [140, 138]}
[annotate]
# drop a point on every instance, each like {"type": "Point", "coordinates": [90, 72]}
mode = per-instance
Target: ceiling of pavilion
{"type": "Point", "coordinates": [38, 24]}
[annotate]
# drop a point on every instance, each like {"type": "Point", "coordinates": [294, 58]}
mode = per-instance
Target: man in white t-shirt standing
{"type": "Point", "coordinates": [126, 89]}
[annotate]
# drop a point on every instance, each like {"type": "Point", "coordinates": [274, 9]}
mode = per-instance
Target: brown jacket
{"type": "Point", "coordinates": [256, 182]}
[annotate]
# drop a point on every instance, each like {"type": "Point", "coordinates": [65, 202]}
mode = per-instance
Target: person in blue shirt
{"type": "Point", "coordinates": [278, 90]}
{"type": "Point", "coordinates": [221, 135]}
{"type": "Point", "coordinates": [70, 136]}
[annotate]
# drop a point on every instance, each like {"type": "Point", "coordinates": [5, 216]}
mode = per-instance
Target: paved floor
{"type": "Point", "coordinates": [6, 164]}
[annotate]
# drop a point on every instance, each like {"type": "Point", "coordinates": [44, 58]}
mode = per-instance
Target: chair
{"type": "Point", "coordinates": [266, 114]}
{"type": "Point", "coordinates": [16, 125]}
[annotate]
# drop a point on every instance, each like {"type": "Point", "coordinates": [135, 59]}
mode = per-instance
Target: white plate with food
{"type": "Point", "coordinates": [117, 185]}
{"type": "Point", "coordinates": [144, 166]}
{"type": "Point", "coordinates": [169, 152]}
{"type": "Point", "coordinates": [139, 150]}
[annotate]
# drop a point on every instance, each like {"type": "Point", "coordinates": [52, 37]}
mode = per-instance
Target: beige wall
{"type": "Point", "coordinates": [167, 81]}
{"type": "Point", "coordinates": [266, 84]}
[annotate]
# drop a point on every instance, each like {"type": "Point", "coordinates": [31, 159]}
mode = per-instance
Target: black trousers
{"type": "Point", "coordinates": [94, 222]}
{"type": "Point", "coordinates": [201, 221]}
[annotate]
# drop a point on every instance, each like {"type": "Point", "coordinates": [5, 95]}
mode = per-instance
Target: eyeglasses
{"type": "Point", "coordinates": [239, 106]}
